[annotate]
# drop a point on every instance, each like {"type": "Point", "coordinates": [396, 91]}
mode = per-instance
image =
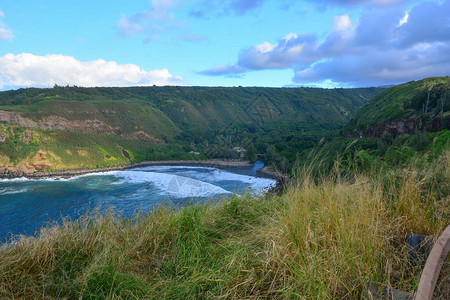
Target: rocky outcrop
{"type": "Point", "coordinates": [140, 135]}
{"type": "Point", "coordinates": [270, 172]}
{"type": "Point", "coordinates": [398, 127]}
{"type": "Point", "coordinates": [220, 164]}
{"type": "Point", "coordinates": [58, 123]}
{"type": "Point", "coordinates": [11, 117]}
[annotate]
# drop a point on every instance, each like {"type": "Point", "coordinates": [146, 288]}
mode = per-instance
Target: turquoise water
{"type": "Point", "coordinates": [27, 205]}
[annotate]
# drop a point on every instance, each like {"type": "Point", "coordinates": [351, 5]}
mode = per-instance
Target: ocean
{"type": "Point", "coordinates": [28, 205]}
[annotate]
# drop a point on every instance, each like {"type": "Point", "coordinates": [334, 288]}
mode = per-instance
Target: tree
{"type": "Point", "coordinates": [250, 152]}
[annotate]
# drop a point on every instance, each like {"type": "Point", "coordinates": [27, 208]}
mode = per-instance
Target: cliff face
{"type": "Point", "coordinates": [58, 123]}
{"type": "Point", "coordinates": [398, 127]}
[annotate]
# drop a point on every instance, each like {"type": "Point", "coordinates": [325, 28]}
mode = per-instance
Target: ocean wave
{"type": "Point", "coordinates": [171, 184]}
{"type": "Point", "coordinates": [213, 176]}
{"type": "Point", "coordinates": [169, 168]}
{"type": "Point", "coordinates": [20, 179]}
{"type": "Point", "coordinates": [10, 190]}
{"type": "Point", "coordinates": [257, 184]}
{"type": "Point", "coordinates": [217, 175]}
{"type": "Point", "coordinates": [24, 179]}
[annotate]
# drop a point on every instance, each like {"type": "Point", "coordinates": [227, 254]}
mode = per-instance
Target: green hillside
{"type": "Point", "coordinates": [398, 125]}
{"type": "Point", "coordinates": [418, 105]}
{"type": "Point", "coordinates": [70, 127]}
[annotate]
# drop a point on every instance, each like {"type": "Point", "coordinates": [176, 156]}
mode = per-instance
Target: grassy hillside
{"type": "Point", "coordinates": [29, 149]}
{"type": "Point", "coordinates": [74, 127]}
{"type": "Point", "coordinates": [189, 108]}
{"type": "Point", "coordinates": [425, 101]}
{"type": "Point", "coordinates": [399, 123]}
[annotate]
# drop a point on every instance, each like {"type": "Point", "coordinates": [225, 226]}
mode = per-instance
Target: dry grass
{"type": "Point", "coordinates": [342, 232]}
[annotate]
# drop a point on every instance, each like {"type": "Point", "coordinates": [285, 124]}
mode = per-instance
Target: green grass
{"type": "Point", "coordinates": [322, 238]}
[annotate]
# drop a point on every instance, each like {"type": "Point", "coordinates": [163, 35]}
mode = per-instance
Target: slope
{"type": "Point", "coordinates": [405, 108]}
{"type": "Point", "coordinates": [163, 122]}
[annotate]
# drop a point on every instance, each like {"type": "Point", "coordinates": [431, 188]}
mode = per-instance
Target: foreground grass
{"type": "Point", "coordinates": [322, 238]}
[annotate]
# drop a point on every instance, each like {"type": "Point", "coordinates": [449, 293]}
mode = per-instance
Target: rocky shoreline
{"type": "Point", "coordinates": [269, 172]}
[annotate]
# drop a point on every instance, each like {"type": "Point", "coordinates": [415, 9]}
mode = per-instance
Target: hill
{"type": "Point", "coordinates": [398, 124]}
{"type": "Point", "coordinates": [405, 109]}
{"type": "Point", "coordinates": [71, 127]}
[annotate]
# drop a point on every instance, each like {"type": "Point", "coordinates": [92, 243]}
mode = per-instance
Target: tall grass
{"type": "Point", "coordinates": [341, 232]}
{"type": "Point", "coordinates": [322, 238]}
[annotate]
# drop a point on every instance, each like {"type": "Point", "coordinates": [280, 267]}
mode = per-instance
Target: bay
{"type": "Point", "coordinates": [27, 205]}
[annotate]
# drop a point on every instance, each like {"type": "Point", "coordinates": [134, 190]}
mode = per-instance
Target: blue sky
{"type": "Point", "coordinates": [334, 43]}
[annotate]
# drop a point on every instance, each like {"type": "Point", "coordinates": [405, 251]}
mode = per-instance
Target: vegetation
{"type": "Point", "coordinates": [341, 220]}
{"type": "Point", "coordinates": [424, 100]}
{"type": "Point", "coordinates": [156, 123]}
{"type": "Point", "coordinates": [164, 123]}
{"type": "Point", "coordinates": [323, 237]}
{"type": "Point", "coordinates": [376, 154]}
{"type": "Point", "coordinates": [399, 123]}
{"type": "Point", "coordinates": [34, 148]}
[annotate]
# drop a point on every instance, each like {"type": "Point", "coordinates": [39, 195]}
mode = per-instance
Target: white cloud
{"type": "Point", "coordinates": [291, 36]}
{"type": "Point", "coordinates": [5, 32]}
{"type": "Point", "coordinates": [380, 68]}
{"type": "Point", "coordinates": [28, 70]}
{"type": "Point", "coordinates": [404, 19]}
{"type": "Point", "coordinates": [265, 47]}
{"type": "Point", "coordinates": [372, 50]}
{"type": "Point", "coordinates": [342, 23]}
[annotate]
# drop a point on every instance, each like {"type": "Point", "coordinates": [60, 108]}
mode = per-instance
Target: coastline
{"type": "Point", "coordinates": [266, 172]}
{"type": "Point", "coordinates": [269, 172]}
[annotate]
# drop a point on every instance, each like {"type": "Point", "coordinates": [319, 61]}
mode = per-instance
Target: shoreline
{"type": "Point", "coordinates": [266, 172]}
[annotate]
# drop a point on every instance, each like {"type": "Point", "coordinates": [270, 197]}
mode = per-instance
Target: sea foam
{"type": "Point", "coordinates": [9, 191]}
{"type": "Point", "coordinates": [170, 184]}
{"type": "Point", "coordinates": [212, 175]}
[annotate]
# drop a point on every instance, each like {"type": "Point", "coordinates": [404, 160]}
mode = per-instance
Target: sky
{"type": "Point", "coordinates": [317, 43]}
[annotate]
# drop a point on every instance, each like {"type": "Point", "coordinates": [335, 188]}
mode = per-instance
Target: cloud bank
{"type": "Point", "coordinates": [28, 70]}
{"type": "Point", "coordinates": [386, 45]}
